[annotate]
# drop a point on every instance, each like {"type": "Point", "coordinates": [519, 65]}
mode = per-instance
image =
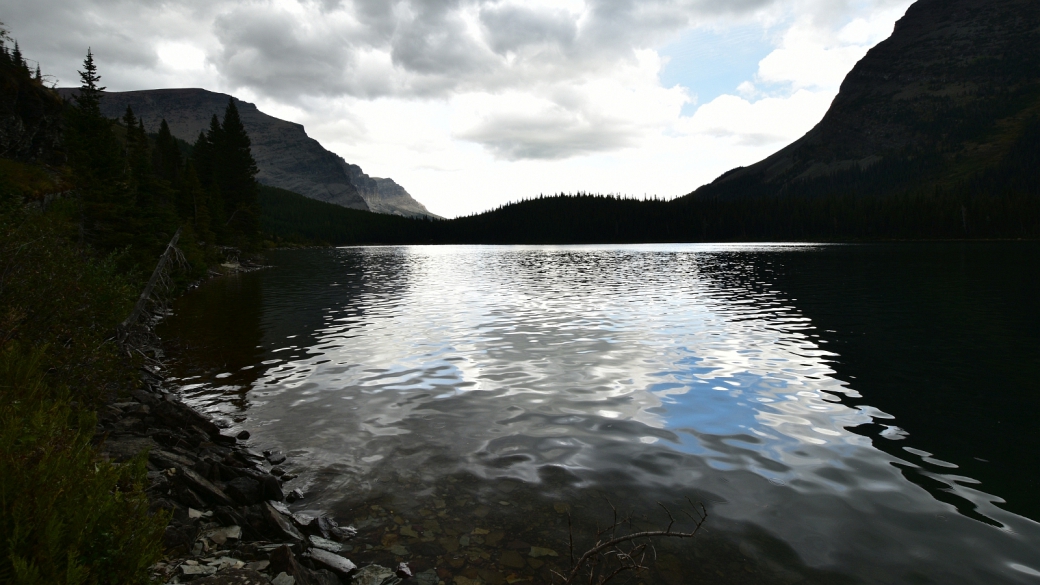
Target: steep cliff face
{"type": "Point", "coordinates": [285, 156]}
{"type": "Point", "coordinates": [947, 93]}
{"type": "Point", "coordinates": [384, 195]}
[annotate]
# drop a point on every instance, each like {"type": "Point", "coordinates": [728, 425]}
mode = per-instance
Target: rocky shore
{"type": "Point", "coordinates": [229, 520]}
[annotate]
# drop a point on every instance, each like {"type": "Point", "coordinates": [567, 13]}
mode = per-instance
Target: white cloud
{"type": "Point", "coordinates": [471, 103]}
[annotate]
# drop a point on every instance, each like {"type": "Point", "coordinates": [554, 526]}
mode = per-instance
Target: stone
{"type": "Point", "coordinates": [375, 575]}
{"type": "Point", "coordinates": [511, 559]}
{"type": "Point", "coordinates": [284, 561]}
{"type": "Point", "coordinates": [245, 490]}
{"type": "Point", "coordinates": [283, 579]}
{"type": "Point", "coordinates": [242, 436]}
{"type": "Point", "coordinates": [342, 533]}
{"type": "Point", "coordinates": [234, 577]}
{"type": "Point", "coordinates": [223, 534]}
{"type": "Point", "coordinates": [277, 471]}
{"type": "Point", "coordinates": [194, 514]}
{"type": "Point", "coordinates": [537, 551]}
{"type": "Point", "coordinates": [335, 563]}
{"type": "Point", "coordinates": [196, 570]}
{"type": "Point", "coordinates": [283, 525]}
{"type": "Point", "coordinates": [204, 487]}
{"type": "Point", "coordinates": [276, 458]}
{"type": "Point", "coordinates": [258, 565]}
{"type": "Point", "coordinates": [294, 495]}
{"type": "Point", "coordinates": [427, 577]}
{"type": "Point", "coordinates": [325, 544]}
{"type": "Point", "coordinates": [179, 538]}
{"type": "Point", "coordinates": [403, 571]}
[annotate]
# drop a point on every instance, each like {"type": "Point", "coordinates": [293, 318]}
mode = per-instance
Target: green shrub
{"type": "Point", "coordinates": [66, 516]}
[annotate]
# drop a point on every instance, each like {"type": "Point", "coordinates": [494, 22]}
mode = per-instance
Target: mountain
{"type": "Point", "coordinates": [946, 95]}
{"type": "Point", "coordinates": [286, 157]}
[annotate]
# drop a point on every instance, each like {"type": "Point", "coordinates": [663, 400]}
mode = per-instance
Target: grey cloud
{"type": "Point", "coordinates": [511, 28]}
{"type": "Point", "coordinates": [554, 136]}
{"type": "Point", "coordinates": [373, 48]}
{"type": "Point", "coordinates": [432, 39]}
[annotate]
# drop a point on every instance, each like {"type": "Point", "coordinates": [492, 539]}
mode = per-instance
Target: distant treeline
{"type": "Point", "coordinates": [901, 198]}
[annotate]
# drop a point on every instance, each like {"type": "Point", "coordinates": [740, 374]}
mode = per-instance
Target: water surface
{"type": "Point", "coordinates": [845, 413]}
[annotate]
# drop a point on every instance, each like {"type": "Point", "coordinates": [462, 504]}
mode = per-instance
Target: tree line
{"type": "Point", "coordinates": [137, 188]}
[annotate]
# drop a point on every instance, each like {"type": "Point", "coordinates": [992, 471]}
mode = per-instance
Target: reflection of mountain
{"type": "Point", "coordinates": [946, 95]}
{"type": "Point", "coordinates": [286, 156]}
{"type": "Point", "coordinates": [944, 337]}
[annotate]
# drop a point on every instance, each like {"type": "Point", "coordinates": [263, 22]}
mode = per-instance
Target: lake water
{"type": "Point", "coordinates": [845, 413]}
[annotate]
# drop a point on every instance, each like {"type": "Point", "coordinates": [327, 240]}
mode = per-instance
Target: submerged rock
{"type": "Point", "coordinates": [375, 575]}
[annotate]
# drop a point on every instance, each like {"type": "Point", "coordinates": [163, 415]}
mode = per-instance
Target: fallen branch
{"type": "Point", "coordinates": [157, 274]}
{"type": "Point", "coordinates": [627, 560]}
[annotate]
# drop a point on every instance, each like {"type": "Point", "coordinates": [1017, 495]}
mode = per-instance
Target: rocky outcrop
{"type": "Point", "coordinates": [286, 157]}
{"type": "Point", "coordinates": [384, 195]}
{"type": "Point", "coordinates": [957, 82]}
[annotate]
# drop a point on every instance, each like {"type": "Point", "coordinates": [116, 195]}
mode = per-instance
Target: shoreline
{"type": "Point", "coordinates": [229, 522]}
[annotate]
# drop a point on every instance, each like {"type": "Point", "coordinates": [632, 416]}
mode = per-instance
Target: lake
{"type": "Point", "coordinates": [844, 413]}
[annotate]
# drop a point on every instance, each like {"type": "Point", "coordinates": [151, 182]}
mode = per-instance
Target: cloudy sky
{"type": "Point", "coordinates": [470, 104]}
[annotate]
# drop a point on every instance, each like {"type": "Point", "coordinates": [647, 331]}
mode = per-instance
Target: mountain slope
{"type": "Point", "coordinates": [286, 157]}
{"type": "Point", "coordinates": [945, 96]}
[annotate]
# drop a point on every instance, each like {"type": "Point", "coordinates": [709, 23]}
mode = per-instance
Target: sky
{"type": "Point", "coordinates": [471, 104]}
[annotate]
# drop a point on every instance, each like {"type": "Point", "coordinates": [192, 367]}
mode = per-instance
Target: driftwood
{"type": "Point", "coordinates": [171, 252]}
{"type": "Point", "coordinates": [607, 559]}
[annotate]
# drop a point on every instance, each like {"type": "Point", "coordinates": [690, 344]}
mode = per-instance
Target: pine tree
{"type": "Point", "coordinates": [17, 59]}
{"type": "Point", "coordinates": [88, 100]}
{"type": "Point", "coordinates": [166, 157]}
{"type": "Point", "coordinates": [236, 175]}
{"type": "Point", "coordinates": [39, 76]}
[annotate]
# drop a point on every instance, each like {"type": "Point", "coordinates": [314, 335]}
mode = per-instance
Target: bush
{"type": "Point", "coordinates": [66, 516]}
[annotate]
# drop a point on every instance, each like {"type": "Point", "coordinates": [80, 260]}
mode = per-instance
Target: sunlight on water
{"type": "Point", "coordinates": [647, 372]}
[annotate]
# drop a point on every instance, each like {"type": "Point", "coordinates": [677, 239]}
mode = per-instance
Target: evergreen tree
{"type": "Point", "coordinates": [39, 76]}
{"type": "Point", "coordinates": [236, 175]}
{"type": "Point", "coordinates": [98, 166]}
{"type": "Point", "coordinates": [166, 157]}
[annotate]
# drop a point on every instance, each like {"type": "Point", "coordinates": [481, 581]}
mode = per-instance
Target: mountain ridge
{"type": "Point", "coordinates": [286, 156]}
{"type": "Point", "coordinates": [957, 81]}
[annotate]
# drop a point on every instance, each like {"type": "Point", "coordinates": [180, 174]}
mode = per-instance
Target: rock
{"type": "Point", "coordinates": [276, 458]}
{"type": "Point", "coordinates": [283, 579]}
{"type": "Point", "coordinates": [242, 436]}
{"type": "Point", "coordinates": [342, 533]}
{"type": "Point", "coordinates": [280, 507]}
{"type": "Point", "coordinates": [325, 544]}
{"type": "Point", "coordinates": [204, 487]}
{"type": "Point", "coordinates": [537, 551]}
{"type": "Point", "coordinates": [283, 561]}
{"type": "Point", "coordinates": [511, 559]}
{"type": "Point", "coordinates": [403, 571]}
{"type": "Point", "coordinates": [294, 495]}
{"type": "Point", "coordinates": [319, 526]}
{"type": "Point", "coordinates": [196, 569]}
{"type": "Point", "coordinates": [283, 525]}
{"type": "Point", "coordinates": [258, 565]}
{"type": "Point", "coordinates": [223, 534]}
{"type": "Point", "coordinates": [166, 460]}
{"type": "Point", "coordinates": [234, 577]}
{"type": "Point", "coordinates": [427, 577]}
{"type": "Point", "coordinates": [375, 575]}
{"type": "Point", "coordinates": [246, 491]}
{"type": "Point", "coordinates": [277, 471]}
{"type": "Point", "coordinates": [335, 563]}
{"type": "Point", "coordinates": [178, 539]}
